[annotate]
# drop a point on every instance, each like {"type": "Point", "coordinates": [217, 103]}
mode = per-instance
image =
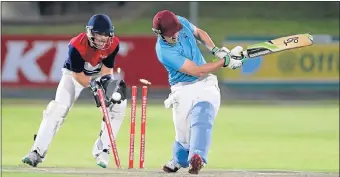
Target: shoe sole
{"type": "Point", "coordinates": [196, 164]}
{"type": "Point", "coordinates": [29, 162]}
{"type": "Point", "coordinates": [169, 170]}
{"type": "Point", "coordinates": [101, 164]}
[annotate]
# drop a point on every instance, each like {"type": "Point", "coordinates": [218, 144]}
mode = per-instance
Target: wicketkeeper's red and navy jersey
{"type": "Point", "coordinates": [84, 58]}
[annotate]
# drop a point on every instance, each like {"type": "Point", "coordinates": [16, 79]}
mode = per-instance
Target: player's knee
{"type": "Point", "coordinates": [54, 115]}
{"type": "Point", "coordinates": [202, 114]}
{"type": "Point", "coordinates": [56, 109]}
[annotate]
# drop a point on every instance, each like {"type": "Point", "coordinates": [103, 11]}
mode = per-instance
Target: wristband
{"type": "Point", "coordinates": [214, 50]}
{"type": "Point", "coordinates": [226, 61]}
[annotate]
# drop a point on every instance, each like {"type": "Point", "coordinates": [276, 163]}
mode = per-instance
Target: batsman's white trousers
{"type": "Point", "coordinates": [184, 96]}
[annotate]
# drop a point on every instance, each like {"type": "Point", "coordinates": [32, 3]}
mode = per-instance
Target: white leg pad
{"type": "Point", "coordinates": [53, 117]}
{"type": "Point", "coordinates": [116, 114]}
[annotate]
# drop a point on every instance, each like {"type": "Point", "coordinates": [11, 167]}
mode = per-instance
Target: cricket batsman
{"type": "Point", "coordinates": [195, 94]}
{"type": "Point", "coordinates": [90, 62]}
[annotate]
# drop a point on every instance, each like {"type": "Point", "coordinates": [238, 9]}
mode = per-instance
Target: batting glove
{"type": "Point", "coordinates": [220, 52]}
{"type": "Point", "coordinates": [234, 59]}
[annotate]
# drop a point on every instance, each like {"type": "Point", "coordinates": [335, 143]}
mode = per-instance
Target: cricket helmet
{"type": "Point", "coordinates": [165, 23]}
{"type": "Point", "coordinates": [100, 24]}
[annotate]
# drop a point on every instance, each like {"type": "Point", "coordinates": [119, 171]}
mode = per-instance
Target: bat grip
{"type": "Point", "coordinates": [244, 54]}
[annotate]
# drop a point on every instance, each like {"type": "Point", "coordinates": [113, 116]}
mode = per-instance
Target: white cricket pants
{"type": "Point", "coordinates": [67, 93]}
{"type": "Point", "coordinates": [68, 89]}
{"type": "Point", "coordinates": [184, 96]}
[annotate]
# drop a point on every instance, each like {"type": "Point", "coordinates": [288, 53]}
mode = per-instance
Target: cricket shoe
{"type": "Point", "coordinates": [103, 158]}
{"type": "Point", "coordinates": [196, 164]}
{"type": "Point", "coordinates": [32, 159]}
{"type": "Point", "coordinates": [171, 167]}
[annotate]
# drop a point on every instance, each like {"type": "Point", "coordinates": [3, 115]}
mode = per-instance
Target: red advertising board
{"type": "Point", "coordinates": [36, 61]}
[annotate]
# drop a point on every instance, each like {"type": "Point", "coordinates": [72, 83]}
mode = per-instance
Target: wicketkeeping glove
{"type": "Point", "coordinates": [110, 88]}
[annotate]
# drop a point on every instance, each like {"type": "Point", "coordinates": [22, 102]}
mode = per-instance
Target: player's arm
{"type": "Point", "coordinates": [82, 79]}
{"type": "Point", "coordinates": [110, 83]}
{"type": "Point", "coordinates": [221, 53]}
{"type": "Point", "coordinates": [204, 38]}
{"type": "Point", "coordinates": [191, 68]}
{"type": "Point", "coordinates": [199, 34]}
{"type": "Point", "coordinates": [77, 66]}
{"type": "Point", "coordinates": [108, 63]}
{"type": "Point", "coordinates": [172, 59]}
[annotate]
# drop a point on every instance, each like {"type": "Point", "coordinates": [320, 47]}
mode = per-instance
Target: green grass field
{"type": "Point", "coordinates": [302, 138]}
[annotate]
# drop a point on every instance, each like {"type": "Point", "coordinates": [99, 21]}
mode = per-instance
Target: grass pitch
{"type": "Point", "coordinates": [248, 137]}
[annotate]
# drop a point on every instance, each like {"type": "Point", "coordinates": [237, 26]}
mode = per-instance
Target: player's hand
{"type": "Point", "coordinates": [93, 85]}
{"type": "Point", "coordinates": [233, 64]}
{"type": "Point", "coordinates": [236, 53]}
{"type": "Point", "coordinates": [235, 58]}
{"type": "Point", "coordinates": [220, 52]}
{"type": "Point", "coordinates": [98, 82]}
{"type": "Point", "coordinates": [105, 82]}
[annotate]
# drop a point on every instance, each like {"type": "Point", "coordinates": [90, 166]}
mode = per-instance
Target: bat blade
{"type": "Point", "coordinates": [278, 45]}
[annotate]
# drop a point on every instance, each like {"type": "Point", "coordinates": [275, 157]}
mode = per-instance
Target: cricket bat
{"type": "Point", "coordinates": [278, 45]}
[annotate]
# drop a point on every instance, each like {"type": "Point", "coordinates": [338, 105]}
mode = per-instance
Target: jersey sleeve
{"type": "Point", "coordinates": [171, 58]}
{"type": "Point", "coordinates": [75, 59]}
{"type": "Point", "coordinates": [109, 61]}
{"type": "Point", "coordinates": [186, 23]}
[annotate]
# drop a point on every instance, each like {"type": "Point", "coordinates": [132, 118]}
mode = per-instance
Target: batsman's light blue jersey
{"type": "Point", "coordinates": [173, 57]}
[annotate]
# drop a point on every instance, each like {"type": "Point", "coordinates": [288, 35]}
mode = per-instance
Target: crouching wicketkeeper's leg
{"type": "Point", "coordinates": [116, 110]}
{"type": "Point", "coordinates": [53, 117]}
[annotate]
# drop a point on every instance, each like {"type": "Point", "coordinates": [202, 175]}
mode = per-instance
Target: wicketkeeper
{"type": "Point", "coordinates": [90, 62]}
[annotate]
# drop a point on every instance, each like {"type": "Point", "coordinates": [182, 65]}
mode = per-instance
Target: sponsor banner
{"type": "Point", "coordinates": [36, 61]}
{"type": "Point", "coordinates": [314, 65]}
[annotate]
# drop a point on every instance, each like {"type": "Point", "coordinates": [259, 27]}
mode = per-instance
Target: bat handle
{"type": "Point", "coordinates": [245, 54]}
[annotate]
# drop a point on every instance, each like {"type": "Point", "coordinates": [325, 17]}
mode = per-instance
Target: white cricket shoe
{"type": "Point", "coordinates": [102, 158]}
{"type": "Point", "coordinates": [171, 167]}
{"type": "Point", "coordinates": [32, 159]}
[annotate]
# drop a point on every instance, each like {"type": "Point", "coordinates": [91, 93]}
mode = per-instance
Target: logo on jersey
{"type": "Point", "coordinates": [89, 69]}
{"type": "Point", "coordinates": [103, 56]}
